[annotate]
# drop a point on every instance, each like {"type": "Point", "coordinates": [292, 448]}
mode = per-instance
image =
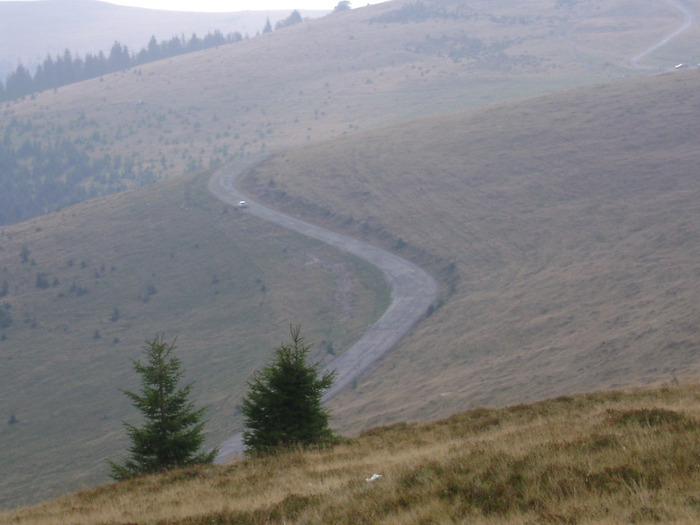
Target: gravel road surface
{"type": "Point", "coordinates": [412, 291]}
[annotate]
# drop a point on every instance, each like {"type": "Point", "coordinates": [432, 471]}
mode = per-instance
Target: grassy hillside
{"type": "Point", "coordinates": [564, 230]}
{"type": "Point", "coordinates": [631, 457]}
{"type": "Point", "coordinates": [339, 74]}
{"type": "Point", "coordinates": [102, 277]}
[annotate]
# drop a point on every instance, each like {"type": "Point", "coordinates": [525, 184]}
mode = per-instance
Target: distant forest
{"type": "Point", "coordinates": [42, 176]}
{"type": "Point", "coordinates": [66, 69]}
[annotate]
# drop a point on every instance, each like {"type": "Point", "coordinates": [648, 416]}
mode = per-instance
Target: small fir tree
{"type": "Point", "coordinates": [172, 433]}
{"type": "Point", "coordinates": [283, 404]}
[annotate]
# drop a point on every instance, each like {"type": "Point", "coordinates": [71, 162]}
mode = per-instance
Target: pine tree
{"type": "Point", "coordinates": [268, 27]}
{"type": "Point", "coordinates": [171, 435]}
{"type": "Point", "coordinates": [283, 405]}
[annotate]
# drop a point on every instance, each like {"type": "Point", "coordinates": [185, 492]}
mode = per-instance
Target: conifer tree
{"type": "Point", "coordinates": [172, 433]}
{"type": "Point", "coordinates": [283, 405]}
{"type": "Point", "coordinates": [268, 27]}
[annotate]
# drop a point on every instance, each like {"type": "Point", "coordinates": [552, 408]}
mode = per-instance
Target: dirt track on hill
{"type": "Point", "coordinates": [412, 291]}
{"type": "Point", "coordinates": [688, 20]}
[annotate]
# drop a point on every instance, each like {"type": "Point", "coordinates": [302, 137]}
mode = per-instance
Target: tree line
{"type": "Point", "coordinates": [65, 69]}
{"type": "Point", "coordinates": [281, 409]}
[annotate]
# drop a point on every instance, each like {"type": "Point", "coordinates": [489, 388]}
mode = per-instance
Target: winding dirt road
{"type": "Point", "coordinates": [412, 291]}
{"type": "Point", "coordinates": [688, 20]}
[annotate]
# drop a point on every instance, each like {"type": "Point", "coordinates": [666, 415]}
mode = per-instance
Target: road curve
{"type": "Point", "coordinates": [412, 290]}
{"type": "Point", "coordinates": [688, 20]}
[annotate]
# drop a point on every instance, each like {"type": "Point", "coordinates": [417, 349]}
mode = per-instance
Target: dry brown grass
{"type": "Point", "coordinates": [616, 457]}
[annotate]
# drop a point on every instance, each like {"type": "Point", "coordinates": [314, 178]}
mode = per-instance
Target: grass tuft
{"type": "Point", "coordinates": [651, 417]}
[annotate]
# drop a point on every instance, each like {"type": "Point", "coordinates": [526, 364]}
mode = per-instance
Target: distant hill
{"type": "Point", "coordinates": [326, 77]}
{"type": "Point", "coordinates": [31, 30]}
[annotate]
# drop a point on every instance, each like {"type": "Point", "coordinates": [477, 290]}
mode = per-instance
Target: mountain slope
{"type": "Point", "coordinates": [487, 201]}
{"type": "Point", "coordinates": [564, 229]}
{"type": "Point", "coordinates": [102, 277]}
{"type": "Point", "coordinates": [339, 74]}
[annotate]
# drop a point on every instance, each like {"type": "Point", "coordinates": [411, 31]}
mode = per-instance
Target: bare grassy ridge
{"type": "Point", "coordinates": [564, 230]}
{"type": "Point", "coordinates": [615, 457]}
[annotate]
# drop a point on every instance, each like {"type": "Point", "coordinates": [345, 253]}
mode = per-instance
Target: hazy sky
{"type": "Point", "coordinates": [237, 5]}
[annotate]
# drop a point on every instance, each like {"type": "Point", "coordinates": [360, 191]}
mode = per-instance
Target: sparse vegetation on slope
{"type": "Point", "coordinates": [547, 288]}
{"type": "Point", "coordinates": [329, 77]}
{"type": "Point", "coordinates": [563, 228]}
{"type": "Point", "coordinates": [167, 258]}
{"type": "Point", "coordinates": [615, 457]}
